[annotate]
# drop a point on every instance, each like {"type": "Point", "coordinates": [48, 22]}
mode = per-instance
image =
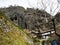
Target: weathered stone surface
{"type": "Point", "coordinates": [32, 19]}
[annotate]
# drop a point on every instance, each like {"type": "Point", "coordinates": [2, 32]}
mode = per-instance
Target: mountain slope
{"type": "Point", "coordinates": [11, 34]}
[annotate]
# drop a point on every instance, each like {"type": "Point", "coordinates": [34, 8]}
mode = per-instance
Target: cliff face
{"type": "Point", "coordinates": [11, 34]}
{"type": "Point", "coordinates": [32, 19]}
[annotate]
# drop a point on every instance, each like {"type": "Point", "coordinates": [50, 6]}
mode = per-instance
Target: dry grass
{"type": "Point", "coordinates": [13, 35]}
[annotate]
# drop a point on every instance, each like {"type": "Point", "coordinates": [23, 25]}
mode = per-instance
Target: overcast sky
{"type": "Point", "coordinates": [33, 4]}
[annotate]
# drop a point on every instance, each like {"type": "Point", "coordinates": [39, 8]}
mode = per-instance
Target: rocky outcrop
{"type": "Point", "coordinates": [33, 19]}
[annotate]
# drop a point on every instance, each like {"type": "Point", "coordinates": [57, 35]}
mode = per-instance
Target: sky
{"type": "Point", "coordinates": [48, 4]}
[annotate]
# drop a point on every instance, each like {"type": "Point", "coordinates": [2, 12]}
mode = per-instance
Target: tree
{"type": "Point", "coordinates": [51, 6]}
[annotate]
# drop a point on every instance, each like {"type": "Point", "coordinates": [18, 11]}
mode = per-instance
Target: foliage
{"type": "Point", "coordinates": [49, 40]}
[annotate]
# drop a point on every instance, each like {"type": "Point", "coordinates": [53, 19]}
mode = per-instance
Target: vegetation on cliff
{"type": "Point", "coordinates": [11, 34]}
